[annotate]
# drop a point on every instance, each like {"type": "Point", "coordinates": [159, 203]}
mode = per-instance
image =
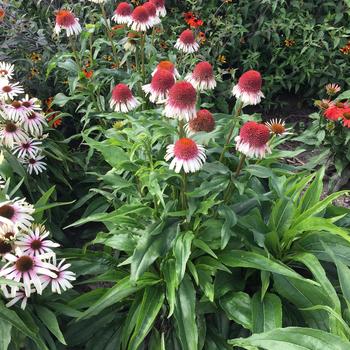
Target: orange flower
{"type": "Point", "coordinates": [289, 42]}
{"type": "Point", "coordinates": [88, 74]}
{"type": "Point", "coordinates": [52, 116]}
{"type": "Point", "coordinates": [2, 14]}
{"type": "Point", "coordinates": [201, 37]}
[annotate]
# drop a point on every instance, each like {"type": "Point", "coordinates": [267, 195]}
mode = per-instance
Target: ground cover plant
{"type": "Point", "coordinates": [146, 204]}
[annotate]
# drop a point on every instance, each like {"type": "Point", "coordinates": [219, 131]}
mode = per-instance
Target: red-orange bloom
{"type": "Point", "coordinates": [346, 117]}
{"type": "Point", "coordinates": [88, 74]}
{"type": "Point", "coordinates": [195, 22]}
{"type": "Point", "coordinates": [334, 112]}
{"type": "Point", "coordinates": [2, 14]}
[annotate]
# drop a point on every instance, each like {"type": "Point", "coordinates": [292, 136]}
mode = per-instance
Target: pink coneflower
{"type": "Point", "coordinates": [122, 13]}
{"type": "Point", "coordinates": [160, 6]}
{"type": "Point", "coordinates": [27, 270]}
{"type": "Point", "coordinates": [62, 281]}
{"type": "Point", "coordinates": [34, 123]}
{"type": "Point", "coordinates": [187, 42]}
{"type": "Point", "coordinates": [186, 154]}
{"type": "Point", "coordinates": [253, 140]}
{"type": "Point", "coordinates": [202, 77]}
{"type": "Point", "coordinates": [9, 90]}
{"type": "Point", "coordinates": [140, 19]}
{"type": "Point", "coordinates": [16, 212]}
{"type": "Point", "coordinates": [169, 66]}
{"type": "Point", "coordinates": [34, 242]}
{"type": "Point", "coordinates": [31, 104]}
{"type": "Point", "coordinates": [15, 111]}
{"type": "Point", "coordinates": [10, 132]}
{"type": "Point", "coordinates": [332, 89]}
{"type": "Point", "coordinates": [26, 148]}
{"type": "Point", "coordinates": [20, 295]}
{"type": "Point", "coordinates": [248, 89]}
{"type": "Point", "coordinates": [346, 117]}
{"type": "Point", "coordinates": [204, 121]}
{"type": "Point", "coordinates": [181, 101]}
{"type": "Point", "coordinates": [35, 164]}
{"type": "Point", "coordinates": [152, 12]}
{"type": "Point", "coordinates": [66, 20]}
{"type": "Point", "coordinates": [122, 99]}
{"type": "Point", "coordinates": [6, 70]}
{"type": "Point", "coordinates": [160, 85]}
{"type": "Point", "coordinates": [277, 127]}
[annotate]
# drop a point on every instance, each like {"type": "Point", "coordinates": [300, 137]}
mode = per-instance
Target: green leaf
{"type": "Point", "coordinates": [240, 258]}
{"type": "Point", "coordinates": [155, 242]}
{"type": "Point", "coordinates": [5, 334]}
{"type": "Point", "coordinates": [230, 220]}
{"type": "Point", "coordinates": [170, 277]}
{"type": "Point", "coordinates": [121, 290]}
{"type": "Point", "coordinates": [185, 315]}
{"type": "Point", "coordinates": [282, 215]}
{"type": "Point", "coordinates": [151, 303]}
{"type": "Point", "coordinates": [182, 252]}
{"type": "Point", "coordinates": [293, 338]}
{"type": "Point", "coordinates": [49, 319]}
{"type": "Point", "coordinates": [237, 306]}
{"type": "Point", "coordinates": [266, 313]}
{"type": "Point", "coordinates": [30, 330]}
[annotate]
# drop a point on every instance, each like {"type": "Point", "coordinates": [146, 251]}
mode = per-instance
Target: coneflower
{"type": "Point", "coordinates": [160, 85]}
{"type": "Point", "coordinates": [187, 42]}
{"type": "Point", "coordinates": [248, 89]}
{"type": "Point", "coordinates": [122, 13]}
{"type": "Point", "coordinates": [66, 20]}
{"type": "Point", "coordinates": [181, 101]}
{"type": "Point", "coordinates": [202, 77]}
{"type": "Point", "coordinates": [122, 99]}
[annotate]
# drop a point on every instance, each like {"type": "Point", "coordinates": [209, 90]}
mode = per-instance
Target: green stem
{"type": "Point", "coordinates": [143, 40]}
{"type": "Point", "coordinates": [75, 52]}
{"type": "Point", "coordinates": [229, 136]}
{"type": "Point", "coordinates": [183, 191]}
{"type": "Point", "coordinates": [110, 35]}
{"type": "Point", "coordinates": [240, 165]}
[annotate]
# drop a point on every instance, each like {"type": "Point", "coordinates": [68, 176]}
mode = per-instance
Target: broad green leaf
{"type": "Point", "coordinates": [49, 319]}
{"type": "Point", "coordinates": [30, 331]}
{"type": "Point", "coordinates": [266, 312]}
{"type": "Point", "coordinates": [182, 252]}
{"type": "Point", "coordinates": [155, 242]}
{"type": "Point", "coordinates": [292, 338]}
{"type": "Point", "coordinates": [151, 303]}
{"type": "Point", "coordinates": [240, 258]}
{"type": "Point", "coordinates": [121, 290]}
{"type": "Point", "coordinates": [313, 193]}
{"type": "Point", "coordinates": [170, 277]}
{"type": "Point", "coordinates": [230, 220]}
{"type": "Point", "coordinates": [237, 306]}
{"type": "Point", "coordinates": [185, 315]}
{"type": "Point", "coordinates": [5, 334]}
{"type": "Point", "coordinates": [317, 270]}
{"type": "Point", "coordinates": [318, 207]}
{"type": "Point", "coordinates": [281, 216]}
{"type": "Point", "coordinates": [304, 295]}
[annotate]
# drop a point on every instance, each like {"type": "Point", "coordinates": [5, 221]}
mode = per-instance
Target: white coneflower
{"type": "Point", "coordinates": [152, 11]}
{"type": "Point", "coordinates": [253, 140]}
{"type": "Point", "coordinates": [7, 234]}
{"type": "Point", "coordinates": [19, 295]}
{"type": "Point", "coordinates": [34, 123]}
{"type": "Point", "coordinates": [16, 212]}
{"type": "Point", "coordinates": [160, 7]}
{"type": "Point", "coordinates": [15, 111]}
{"type": "Point", "coordinates": [98, 1]}
{"type": "Point", "coordinates": [9, 90]}
{"type": "Point", "coordinates": [160, 85]}
{"type": "Point", "coordinates": [66, 20]}
{"type": "Point", "coordinates": [11, 132]}
{"type": "Point", "coordinates": [181, 101]}
{"type": "Point", "coordinates": [27, 269]}
{"type": "Point", "coordinates": [140, 19]}
{"type": "Point", "coordinates": [26, 148]}
{"type": "Point", "coordinates": [122, 14]}
{"type": "Point", "coordinates": [202, 77]}
{"type": "Point", "coordinates": [35, 164]}
{"type": "Point", "coordinates": [278, 127]}
{"type": "Point", "coordinates": [248, 89]}
{"type": "Point", "coordinates": [6, 70]}
{"type": "Point", "coordinates": [186, 154]}
{"type": "Point", "coordinates": [34, 242]}
{"type": "Point", "coordinates": [187, 42]}
{"type": "Point", "coordinates": [131, 41]}
{"type": "Point", "coordinates": [122, 99]}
